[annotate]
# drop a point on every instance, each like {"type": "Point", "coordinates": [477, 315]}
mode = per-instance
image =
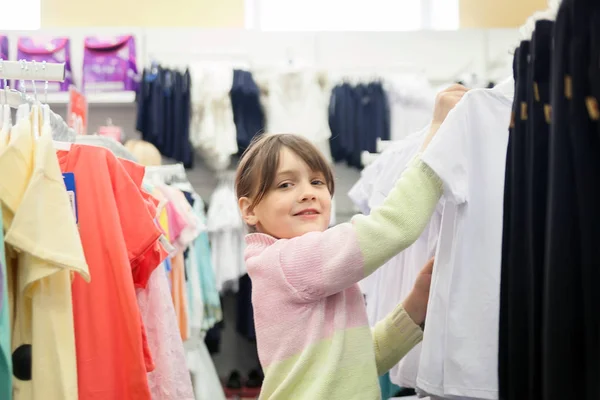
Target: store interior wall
{"type": "Point", "coordinates": [442, 56]}
{"type": "Point", "coordinates": [497, 14]}
{"type": "Point", "coordinates": [149, 13]}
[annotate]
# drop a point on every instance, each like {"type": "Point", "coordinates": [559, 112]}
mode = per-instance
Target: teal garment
{"type": "Point", "coordinates": [210, 295]}
{"type": "Point", "coordinates": [5, 346]}
{"type": "Point", "coordinates": [388, 389]}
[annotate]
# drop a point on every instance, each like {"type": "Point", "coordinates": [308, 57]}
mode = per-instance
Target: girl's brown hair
{"type": "Point", "coordinates": [258, 166]}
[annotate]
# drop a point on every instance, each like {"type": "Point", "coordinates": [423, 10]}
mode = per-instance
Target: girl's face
{"type": "Point", "coordinates": [297, 203]}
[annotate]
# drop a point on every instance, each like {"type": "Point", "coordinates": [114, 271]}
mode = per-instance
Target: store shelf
{"type": "Point", "coordinates": [108, 98]}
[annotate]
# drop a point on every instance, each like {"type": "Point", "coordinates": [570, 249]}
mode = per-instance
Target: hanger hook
{"type": "Point", "coordinates": [6, 85]}
{"type": "Point", "coordinates": [35, 70]}
{"type": "Point", "coordinates": [25, 69]}
{"type": "Point", "coordinates": [45, 83]}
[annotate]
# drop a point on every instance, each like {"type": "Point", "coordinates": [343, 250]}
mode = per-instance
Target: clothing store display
{"type": "Point", "coordinates": [293, 284]}
{"type": "Point", "coordinates": [135, 253]}
{"type": "Point", "coordinates": [79, 223]}
{"type": "Point", "coordinates": [127, 271]}
{"type": "Point", "coordinates": [163, 112]}
{"type": "Point", "coordinates": [459, 353]}
{"type": "Point", "coordinates": [358, 116]}
{"type": "Point", "coordinates": [40, 300]}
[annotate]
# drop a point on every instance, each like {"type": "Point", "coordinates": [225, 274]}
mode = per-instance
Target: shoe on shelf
{"type": "Point", "coordinates": [255, 378]}
{"type": "Point", "coordinates": [234, 381]}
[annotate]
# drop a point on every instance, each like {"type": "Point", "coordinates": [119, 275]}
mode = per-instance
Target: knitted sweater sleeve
{"type": "Point", "coordinates": [393, 337]}
{"type": "Point", "coordinates": [320, 264]}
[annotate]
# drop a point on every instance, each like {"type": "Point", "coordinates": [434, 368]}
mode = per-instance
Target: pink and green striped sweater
{"type": "Point", "coordinates": [314, 341]}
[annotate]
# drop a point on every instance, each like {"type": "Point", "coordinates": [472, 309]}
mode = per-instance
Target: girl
{"type": "Point", "coordinates": [313, 337]}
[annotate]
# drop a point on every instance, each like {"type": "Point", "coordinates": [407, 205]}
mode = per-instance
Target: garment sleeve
{"type": "Point", "coordinates": [393, 337]}
{"type": "Point", "coordinates": [139, 228]}
{"type": "Point", "coordinates": [319, 264]}
{"type": "Point", "coordinates": [446, 156]}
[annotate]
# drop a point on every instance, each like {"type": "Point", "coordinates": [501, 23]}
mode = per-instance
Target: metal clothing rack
{"type": "Point", "coordinates": [27, 71]}
{"type": "Point", "coordinates": [32, 71]}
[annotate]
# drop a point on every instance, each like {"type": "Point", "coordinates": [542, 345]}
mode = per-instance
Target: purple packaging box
{"type": "Point", "coordinates": [3, 53]}
{"type": "Point", "coordinates": [109, 64]}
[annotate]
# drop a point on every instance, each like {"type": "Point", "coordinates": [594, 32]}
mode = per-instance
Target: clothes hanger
{"type": "Point", "coordinates": [4, 118]}
{"type": "Point", "coordinates": [23, 110]}
{"type": "Point", "coordinates": [35, 108]}
{"type": "Point", "coordinates": [6, 113]}
{"type": "Point", "coordinates": [46, 113]}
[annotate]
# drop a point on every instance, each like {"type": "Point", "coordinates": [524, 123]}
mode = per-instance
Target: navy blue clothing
{"type": "Point", "coordinates": [163, 112]}
{"type": "Point", "coordinates": [585, 148]}
{"type": "Point", "coordinates": [514, 285]}
{"type": "Point", "coordinates": [358, 116]}
{"type": "Point", "coordinates": [248, 114]}
{"type": "Point", "coordinates": [563, 320]}
{"type": "Point", "coordinates": [549, 337]}
{"type": "Point", "coordinates": [245, 312]}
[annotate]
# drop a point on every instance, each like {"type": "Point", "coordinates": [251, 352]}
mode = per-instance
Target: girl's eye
{"type": "Point", "coordinates": [318, 182]}
{"type": "Point", "coordinates": [284, 185]}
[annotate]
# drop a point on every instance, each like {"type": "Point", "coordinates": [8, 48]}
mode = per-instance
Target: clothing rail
{"type": "Point", "coordinates": [60, 128]}
{"type": "Point", "coordinates": [31, 70]}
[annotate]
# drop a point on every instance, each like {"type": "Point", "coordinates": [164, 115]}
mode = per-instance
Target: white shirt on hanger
{"type": "Point", "coordinates": [212, 127]}
{"type": "Point", "coordinates": [391, 283]}
{"type": "Point", "coordinates": [226, 230]}
{"type": "Point", "coordinates": [460, 344]}
{"type": "Point", "coordinates": [411, 100]}
{"type": "Point", "coordinates": [297, 103]}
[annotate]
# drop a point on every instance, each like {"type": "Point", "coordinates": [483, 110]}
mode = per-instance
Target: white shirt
{"type": "Point", "coordinates": [460, 344]}
{"type": "Point", "coordinates": [212, 127]}
{"type": "Point", "coordinates": [226, 230]}
{"type": "Point", "coordinates": [411, 100]}
{"type": "Point", "coordinates": [296, 103]}
{"type": "Point", "coordinates": [390, 284]}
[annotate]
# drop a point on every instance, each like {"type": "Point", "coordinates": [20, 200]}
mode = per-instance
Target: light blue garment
{"type": "Point", "coordinates": [208, 283]}
{"type": "Point", "coordinates": [388, 389]}
{"type": "Point", "coordinates": [5, 346]}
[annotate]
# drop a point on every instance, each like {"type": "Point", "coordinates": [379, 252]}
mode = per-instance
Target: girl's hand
{"type": "Point", "coordinates": [444, 103]}
{"type": "Point", "coordinates": [415, 303]}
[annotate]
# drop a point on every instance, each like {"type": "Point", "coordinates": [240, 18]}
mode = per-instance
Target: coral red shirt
{"type": "Point", "coordinates": [120, 241]}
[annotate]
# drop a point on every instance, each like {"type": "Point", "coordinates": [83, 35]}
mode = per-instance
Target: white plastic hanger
{"type": "Point", "coordinates": [45, 107]}
{"type": "Point", "coordinates": [24, 109]}
{"type": "Point", "coordinates": [5, 110]}
{"type": "Point", "coordinates": [36, 109]}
